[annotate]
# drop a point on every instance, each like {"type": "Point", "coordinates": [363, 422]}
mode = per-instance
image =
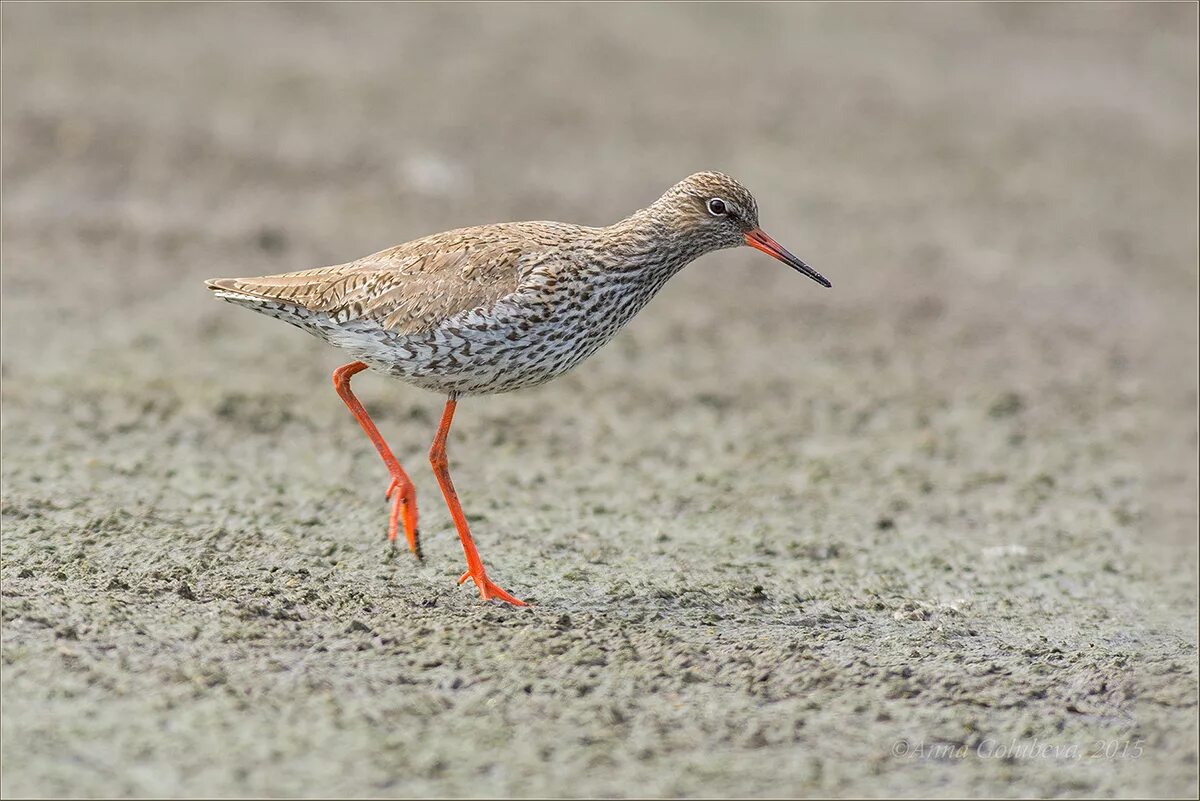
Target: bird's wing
{"type": "Point", "coordinates": [409, 288]}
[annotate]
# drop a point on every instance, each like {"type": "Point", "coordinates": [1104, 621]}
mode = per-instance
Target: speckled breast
{"type": "Point", "coordinates": [525, 339]}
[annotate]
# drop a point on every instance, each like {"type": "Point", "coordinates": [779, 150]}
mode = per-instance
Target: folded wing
{"type": "Point", "coordinates": [407, 289]}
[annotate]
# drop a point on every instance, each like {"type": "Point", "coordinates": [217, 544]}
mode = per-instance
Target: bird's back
{"type": "Point", "coordinates": [410, 288]}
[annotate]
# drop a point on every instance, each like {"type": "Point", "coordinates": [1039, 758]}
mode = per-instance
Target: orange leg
{"type": "Point", "coordinates": [405, 501]}
{"type": "Point", "coordinates": [441, 469]}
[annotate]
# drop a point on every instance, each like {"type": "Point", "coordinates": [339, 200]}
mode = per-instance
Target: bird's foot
{"type": "Point", "coordinates": [488, 590]}
{"type": "Point", "coordinates": [404, 507]}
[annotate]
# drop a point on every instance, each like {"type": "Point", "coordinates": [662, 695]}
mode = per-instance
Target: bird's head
{"type": "Point", "coordinates": [717, 212]}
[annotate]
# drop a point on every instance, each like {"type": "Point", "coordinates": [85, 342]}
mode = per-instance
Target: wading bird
{"type": "Point", "coordinates": [499, 307]}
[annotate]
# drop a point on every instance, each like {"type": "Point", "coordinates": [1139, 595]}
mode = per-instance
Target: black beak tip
{"type": "Point", "coordinates": [814, 275]}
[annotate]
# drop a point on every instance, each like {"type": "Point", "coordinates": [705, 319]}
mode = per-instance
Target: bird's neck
{"type": "Point", "coordinates": [653, 241]}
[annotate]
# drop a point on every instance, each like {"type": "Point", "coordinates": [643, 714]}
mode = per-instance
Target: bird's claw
{"type": "Point", "coordinates": [489, 590]}
{"type": "Point", "coordinates": [404, 506]}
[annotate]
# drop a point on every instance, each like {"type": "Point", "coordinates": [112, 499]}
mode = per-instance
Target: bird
{"type": "Point", "coordinates": [496, 308]}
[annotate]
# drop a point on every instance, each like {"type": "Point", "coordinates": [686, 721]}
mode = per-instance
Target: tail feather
{"type": "Point", "coordinates": [238, 290]}
{"type": "Point", "coordinates": [231, 287]}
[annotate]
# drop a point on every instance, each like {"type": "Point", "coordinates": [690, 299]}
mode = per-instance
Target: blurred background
{"type": "Point", "coordinates": [771, 532]}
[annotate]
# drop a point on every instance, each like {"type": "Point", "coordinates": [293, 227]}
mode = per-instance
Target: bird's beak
{"type": "Point", "coordinates": [759, 239]}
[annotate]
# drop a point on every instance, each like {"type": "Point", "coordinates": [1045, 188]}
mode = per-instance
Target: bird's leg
{"type": "Point", "coordinates": [441, 469]}
{"type": "Point", "coordinates": [401, 491]}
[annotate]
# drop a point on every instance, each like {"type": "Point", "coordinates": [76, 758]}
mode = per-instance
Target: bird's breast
{"type": "Point", "coordinates": [550, 325]}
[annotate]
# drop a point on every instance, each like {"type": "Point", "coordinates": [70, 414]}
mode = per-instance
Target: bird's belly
{"type": "Point", "coordinates": [478, 354]}
{"type": "Point", "coordinates": [512, 345]}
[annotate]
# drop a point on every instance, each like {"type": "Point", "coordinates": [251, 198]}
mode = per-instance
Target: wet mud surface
{"type": "Point", "coordinates": [928, 532]}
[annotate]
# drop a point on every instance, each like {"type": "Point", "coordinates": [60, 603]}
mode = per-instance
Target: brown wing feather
{"type": "Point", "coordinates": [411, 287]}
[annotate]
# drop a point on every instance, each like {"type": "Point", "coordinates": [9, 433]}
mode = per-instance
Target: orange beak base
{"type": "Point", "coordinates": [759, 240]}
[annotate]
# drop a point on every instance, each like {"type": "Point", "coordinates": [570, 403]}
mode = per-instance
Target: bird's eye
{"type": "Point", "coordinates": [717, 207]}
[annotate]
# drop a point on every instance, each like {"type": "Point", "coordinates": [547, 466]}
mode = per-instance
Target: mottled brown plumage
{"type": "Point", "coordinates": [500, 307]}
{"type": "Point", "coordinates": [411, 288]}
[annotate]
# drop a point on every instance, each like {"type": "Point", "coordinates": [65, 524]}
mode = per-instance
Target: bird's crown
{"type": "Point", "coordinates": [708, 186]}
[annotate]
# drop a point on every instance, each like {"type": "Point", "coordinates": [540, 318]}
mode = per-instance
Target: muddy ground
{"type": "Point", "coordinates": [928, 532]}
